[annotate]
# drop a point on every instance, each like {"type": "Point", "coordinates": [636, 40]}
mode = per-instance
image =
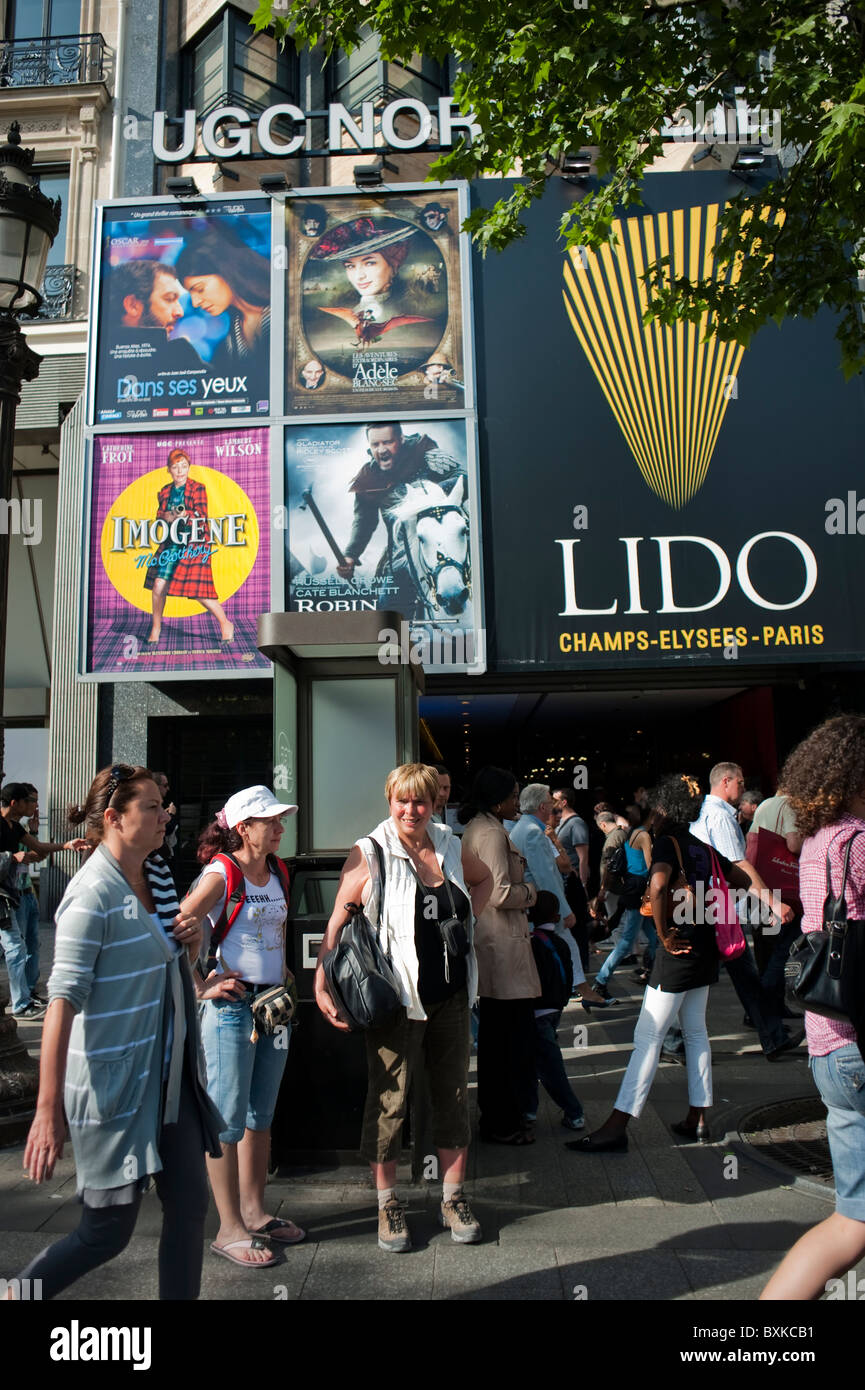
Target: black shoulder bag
{"type": "Point", "coordinates": [360, 976]}
{"type": "Point", "coordinates": [824, 968]}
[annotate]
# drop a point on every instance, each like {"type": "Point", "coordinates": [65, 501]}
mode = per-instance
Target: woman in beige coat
{"type": "Point", "coordinates": [507, 979]}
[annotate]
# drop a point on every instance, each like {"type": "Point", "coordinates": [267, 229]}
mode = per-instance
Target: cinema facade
{"type": "Point", "coordinates": [650, 538]}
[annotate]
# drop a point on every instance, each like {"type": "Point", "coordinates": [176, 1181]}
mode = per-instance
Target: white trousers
{"type": "Point", "coordinates": [658, 1013]}
{"type": "Point", "coordinates": [568, 937]}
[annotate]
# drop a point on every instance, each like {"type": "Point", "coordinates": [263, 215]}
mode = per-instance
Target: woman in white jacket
{"type": "Point", "coordinates": [425, 871]}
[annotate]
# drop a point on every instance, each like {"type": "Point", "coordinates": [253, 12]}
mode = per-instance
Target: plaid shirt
{"type": "Point", "coordinates": [824, 1034]}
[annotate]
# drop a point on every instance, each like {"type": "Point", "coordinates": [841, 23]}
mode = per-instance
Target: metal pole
{"type": "Point", "coordinates": [18, 363]}
{"type": "Point", "coordinates": [19, 1074]}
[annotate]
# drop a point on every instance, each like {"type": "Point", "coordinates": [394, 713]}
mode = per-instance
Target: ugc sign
{"type": "Point", "coordinates": [233, 127]}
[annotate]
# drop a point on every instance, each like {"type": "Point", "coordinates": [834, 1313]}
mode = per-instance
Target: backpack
{"type": "Point", "coordinates": [235, 897]}
{"type": "Point", "coordinates": [555, 970]}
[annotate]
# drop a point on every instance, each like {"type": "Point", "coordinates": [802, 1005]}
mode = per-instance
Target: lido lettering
{"type": "Point", "coordinates": [807, 582]}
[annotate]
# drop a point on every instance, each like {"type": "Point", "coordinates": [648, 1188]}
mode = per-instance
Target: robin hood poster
{"type": "Point", "coordinates": [375, 313]}
{"type": "Point", "coordinates": [384, 516]}
{"type": "Point", "coordinates": [179, 549]}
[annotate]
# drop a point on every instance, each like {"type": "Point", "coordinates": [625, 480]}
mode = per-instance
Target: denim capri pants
{"type": "Point", "coordinates": [243, 1077]}
{"type": "Point", "coordinates": [840, 1078]}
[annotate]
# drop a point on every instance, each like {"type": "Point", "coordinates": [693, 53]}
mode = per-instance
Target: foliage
{"type": "Point", "coordinates": [545, 77]}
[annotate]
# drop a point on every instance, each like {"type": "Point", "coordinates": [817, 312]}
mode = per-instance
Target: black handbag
{"type": "Point", "coordinates": [360, 976]}
{"type": "Point", "coordinates": [823, 967]}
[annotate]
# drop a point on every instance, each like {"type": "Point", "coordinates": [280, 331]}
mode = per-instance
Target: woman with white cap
{"type": "Point", "coordinates": [244, 1065]}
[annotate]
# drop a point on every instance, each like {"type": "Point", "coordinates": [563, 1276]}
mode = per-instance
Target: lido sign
{"type": "Point", "coordinates": [226, 133]}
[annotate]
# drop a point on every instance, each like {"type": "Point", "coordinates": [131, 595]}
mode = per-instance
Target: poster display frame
{"type": "Point", "coordinates": [278, 418]}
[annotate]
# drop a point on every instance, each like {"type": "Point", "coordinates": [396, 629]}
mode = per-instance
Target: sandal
{"type": "Point", "coordinates": [283, 1232]}
{"type": "Point", "coordinates": [252, 1243]}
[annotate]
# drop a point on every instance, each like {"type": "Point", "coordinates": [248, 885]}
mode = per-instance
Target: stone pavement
{"type": "Point", "coordinates": [665, 1221]}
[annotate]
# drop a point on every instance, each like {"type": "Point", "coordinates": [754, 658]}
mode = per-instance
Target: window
{"type": "Point", "coordinates": [231, 65]}
{"type": "Point", "coordinates": [365, 76]}
{"type": "Point", "coordinates": [54, 183]}
{"type": "Point", "coordinates": [34, 19]}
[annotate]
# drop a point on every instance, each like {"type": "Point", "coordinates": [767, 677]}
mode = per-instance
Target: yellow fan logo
{"type": "Point", "coordinates": [667, 386]}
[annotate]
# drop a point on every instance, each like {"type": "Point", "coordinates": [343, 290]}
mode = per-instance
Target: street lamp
{"type": "Point", "coordinates": [29, 222]}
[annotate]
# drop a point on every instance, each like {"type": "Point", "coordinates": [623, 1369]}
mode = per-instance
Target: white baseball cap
{"type": "Point", "coordinates": [252, 801]}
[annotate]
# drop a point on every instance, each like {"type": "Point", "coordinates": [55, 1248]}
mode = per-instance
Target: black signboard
{"type": "Point", "coordinates": [656, 497]}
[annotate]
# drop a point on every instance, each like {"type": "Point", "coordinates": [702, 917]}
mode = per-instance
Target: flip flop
{"type": "Point", "coordinates": [293, 1235]}
{"type": "Point", "coordinates": [253, 1243]}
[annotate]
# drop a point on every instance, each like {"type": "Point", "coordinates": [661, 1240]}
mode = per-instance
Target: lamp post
{"type": "Point", "coordinates": [29, 222]}
{"type": "Point", "coordinates": [28, 225]}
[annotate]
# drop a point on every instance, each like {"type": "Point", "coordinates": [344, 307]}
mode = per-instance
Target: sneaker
{"type": "Point", "coordinates": [458, 1215]}
{"type": "Point", "coordinates": [39, 995]}
{"type": "Point", "coordinates": [393, 1233]}
{"type": "Point", "coordinates": [678, 1058]}
{"type": "Point", "coordinates": [578, 1123]}
{"type": "Point", "coordinates": [31, 1013]}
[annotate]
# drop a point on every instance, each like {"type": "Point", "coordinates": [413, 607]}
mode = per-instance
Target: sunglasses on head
{"type": "Point", "coordinates": [121, 772]}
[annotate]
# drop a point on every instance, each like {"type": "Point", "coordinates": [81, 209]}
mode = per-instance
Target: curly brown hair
{"type": "Point", "coordinates": [823, 775]}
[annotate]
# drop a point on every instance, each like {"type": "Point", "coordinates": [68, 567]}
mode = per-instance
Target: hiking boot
{"type": "Point", "coordinates": [458, 1215]}
{"type": "Point", "coordinates": [393, 1233]}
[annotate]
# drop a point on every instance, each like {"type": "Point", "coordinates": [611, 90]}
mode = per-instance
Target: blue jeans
{"type": "Point", "coordinates": [840, 1078]}
{"type": "Point", "coordinates": [27, 913]}
{"type": "Point", "coordinates": [628, 930]}
{"type": "Point", "coordinates": [15, 950]}
{"type": "Point", "coordinates": [551, 1068]}
{"type": "Point", "coordinates": [243, 1077]}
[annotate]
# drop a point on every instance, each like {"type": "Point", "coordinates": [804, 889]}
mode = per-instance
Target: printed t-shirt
{"type": "Point", "coordinates": [255, 945]}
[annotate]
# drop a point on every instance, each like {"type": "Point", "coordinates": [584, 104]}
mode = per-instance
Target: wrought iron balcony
{"type": "Point", "coordinates": [53, 62]}
{"type": "Point", "coordinates": [58, 290]}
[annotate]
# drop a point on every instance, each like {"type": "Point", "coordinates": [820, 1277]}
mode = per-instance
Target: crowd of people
{"type": "Point", "coordinates": [488, 932]}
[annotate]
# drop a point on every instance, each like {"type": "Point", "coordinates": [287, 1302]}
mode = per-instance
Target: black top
{"type": "Point", "coordinates": [431, 906]}
{"type": "Point", "coordinates": [11, 834]}
{"type": "Point", "coordinates": [675, 974]}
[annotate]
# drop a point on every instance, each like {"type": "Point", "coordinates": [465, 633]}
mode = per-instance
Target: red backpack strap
{"type": "Point", "coordinates": [235, 896]}
{"type": "Point", "coordinates": [277, 866]}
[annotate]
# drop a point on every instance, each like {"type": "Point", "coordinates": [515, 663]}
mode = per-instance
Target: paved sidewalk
{"type": "Point", "coordinates": [665, 1220]}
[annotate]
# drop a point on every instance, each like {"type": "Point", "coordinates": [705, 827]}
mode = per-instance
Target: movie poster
{"type": "Point", "coordinates": [179, 553]}
{"type": "Point", "coordinates": [374, 303]}
{"type": "Point", "coordinates": [183, 321]}
{"type": "Point", "coordinates": [382, 517]}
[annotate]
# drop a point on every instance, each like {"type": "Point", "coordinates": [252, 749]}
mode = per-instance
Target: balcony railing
{"type": "Point", "coordinates": [58, 292]}
{"type": "Point", "coordinates": [52, 62]}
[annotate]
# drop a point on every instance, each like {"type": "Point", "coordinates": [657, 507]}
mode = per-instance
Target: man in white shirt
{"type": "Point", "coordinates": [529, 837]}
{"type": "Point", "coordinates": [717, 825]}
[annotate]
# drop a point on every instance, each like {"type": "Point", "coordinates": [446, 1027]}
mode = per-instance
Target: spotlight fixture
{"type": "Point", "coordinates": [274, 183]}
{"type": "Point", "coordinates": [748, 158]}
{"type": "Point", "coordinates": [225, 173]}
{"type": "Point", "coordinates": [576, 167]}
{"type": "Point", "coordinates": [372, 175]}
{"type": "Point", "coordinates": [182, 188]}
{"type": "Point", "coordinates": [707, 152]}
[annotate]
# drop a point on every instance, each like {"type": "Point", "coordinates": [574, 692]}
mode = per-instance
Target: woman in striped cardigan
{"type": "Point", "coordinates": [121, 1032]}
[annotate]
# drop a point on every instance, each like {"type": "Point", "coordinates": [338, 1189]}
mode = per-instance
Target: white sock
{"type": "Point", "coordinates": [450, 1190]}
{"type": "Point", "coordinates": [384, 1196]}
